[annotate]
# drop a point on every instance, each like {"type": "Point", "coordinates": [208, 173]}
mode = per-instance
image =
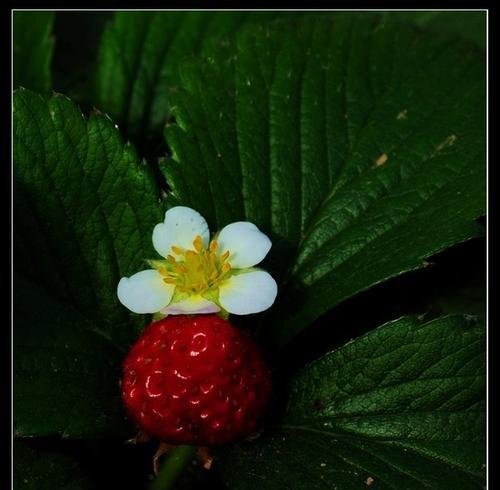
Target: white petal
{"type": "Point", "coordinates": [191, 305]}
{"type": "Point", "coordinates": [247, 245]}
{"type": "Point", "coordinates": [145, 292]}
{"type": "Point", "coordinates": [180, 228]}
{"type": "Point", "coordinates": [247, 293]}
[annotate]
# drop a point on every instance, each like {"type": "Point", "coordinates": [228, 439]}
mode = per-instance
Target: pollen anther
{"type": "Point", "coordinates": [198, 243]}
{"type": "Point", "coordinates": [213, 246]}
{"type": "Point", "coordinates": [195, 270]}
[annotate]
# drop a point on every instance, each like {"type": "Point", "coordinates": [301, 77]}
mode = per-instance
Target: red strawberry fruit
{"type": "Point", "coordinates": [195, 380]}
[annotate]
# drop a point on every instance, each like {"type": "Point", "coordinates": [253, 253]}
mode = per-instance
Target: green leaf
{"type": "Point", "coordinates": [355, 141]}
{"type": "Point", "coordinates": [33, 46]}
{"type": "Point", "coordinates": [42, 469]}
{"type": "Point", "coordinates": [401, 407]}
{"type": "Point", "coordinates": [139, 57]}
{"type": "Point", "coordinates": [469, 25]}
{"type": "Point", "coordinates": [85, 209]}
{"type": "Point", "coordinates": [66, 374]}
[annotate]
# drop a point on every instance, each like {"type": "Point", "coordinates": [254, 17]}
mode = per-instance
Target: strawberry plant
{"type": "Point", "coordinates": [249, 250]}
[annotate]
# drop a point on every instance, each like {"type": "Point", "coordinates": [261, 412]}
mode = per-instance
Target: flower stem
{"type": "Point", "coordinates": [172, 467]}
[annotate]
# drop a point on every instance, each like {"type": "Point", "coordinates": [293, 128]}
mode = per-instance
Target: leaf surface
{"type": "Point", "coordinates": [32, 49]}
{"type": "Point", "coordinates": [39, 469]}
{"type": "Point", "coordinates": [355, 141]}
{"type": "Point", "coordinates": [470, 25]}
{"type": "Point", "coordinates": [139, 57]}
{"type": "Point", "coordinates": [85, 208]}
{"type": "Point", "coordinates": [66, 374]}
{"type": "Point", "coordinates": [400, 407]}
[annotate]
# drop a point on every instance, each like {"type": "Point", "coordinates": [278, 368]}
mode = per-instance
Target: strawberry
{"type": "Point", "coordinates": [195, 380]}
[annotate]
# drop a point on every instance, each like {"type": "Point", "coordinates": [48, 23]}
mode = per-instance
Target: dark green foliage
{"type": "Point", "coordinates": [355, 140]}
{"type": "Point", "coordinates": [36, 469]}
{"type": "Point", "coordinates": [87, 204]}
{"type": "Point", "coordinates": [403, 405]}
{"type": "Point", "coordinates": [139, 57]}
{"type": "Point", "coordinates": [33, 46]}
{"type": "Point", "coordinates": [65, 371]}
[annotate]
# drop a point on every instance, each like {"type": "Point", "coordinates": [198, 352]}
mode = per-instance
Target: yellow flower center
{"type": "Point", "coordinates": [196, 270]}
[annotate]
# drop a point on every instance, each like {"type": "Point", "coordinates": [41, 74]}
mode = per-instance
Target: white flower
{"type": "Point", "coordinates": [197, 275]}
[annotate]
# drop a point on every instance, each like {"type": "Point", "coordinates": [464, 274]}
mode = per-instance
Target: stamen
{"type": "Point", "coordinates": [180, 268]}
{"type": "Point", "coordinates": [197, 269]}
{"type": "Point", "coordinates": [213, 246]}
{"type": "Point", "coordinates": [198, 243]}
